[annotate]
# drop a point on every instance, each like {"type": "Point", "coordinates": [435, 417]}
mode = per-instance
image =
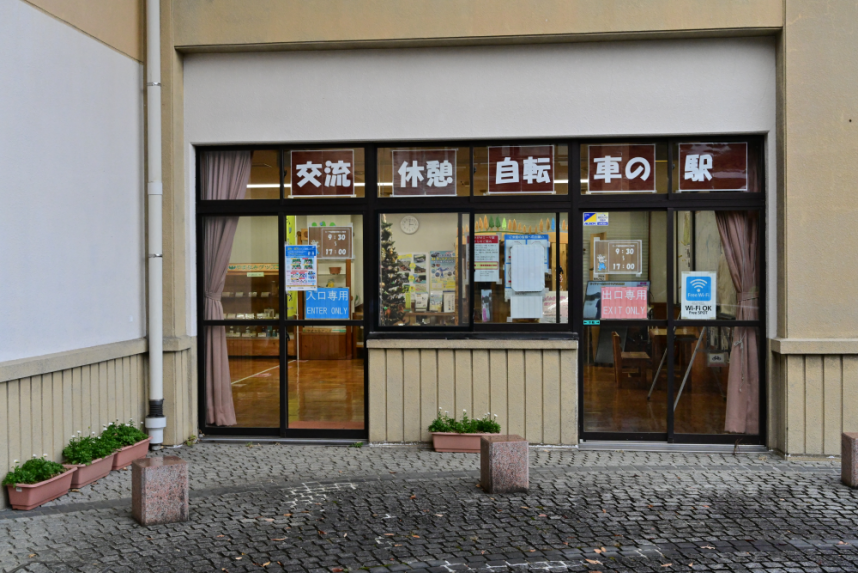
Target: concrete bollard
{"type": "Point", "coordinates": [849, 459]}
{"type": "Point", "coordinates": [504, 464]}
{"type": "Point", "coordinates": [159, 490]}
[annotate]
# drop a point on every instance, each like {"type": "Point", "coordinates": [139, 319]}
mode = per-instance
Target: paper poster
{"type": "Point", "coordinates": [624, 302]}
{"type": "Point", "coordinates": [301, 267]}
{"type": "Point", "coordinates": [511, 240]}
{"type": "Point", "coordinates": [436, 300]}
{"type": "Point", "coordinates": [486, 258]}
{"type": "Point", "coordinates": [442, 271]}
{"type": "Point", "coordinates": [698, 295]}
{"type": "Point", "coordinates": [327, 303]}
{"type": "Point", "coordinates": [486, 304]}
{"type": "Point", "coordinates": [549, 307]}
{"type": "Point", "coordinates": [449, 302]}
{"type": "Point", "coordinates": [291, 239]}
{"type": "Point", "coordinates": [421, 301]}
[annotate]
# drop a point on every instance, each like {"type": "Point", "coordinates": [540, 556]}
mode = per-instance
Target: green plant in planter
{"type": "Point", "coordinates": [33, 471]}
{"type": "Point", "coordinates": [485, 425]}
{"type": "Point", "coordinates": [79, 451]}
{"type": "Point", "coordinates": [124, 434]}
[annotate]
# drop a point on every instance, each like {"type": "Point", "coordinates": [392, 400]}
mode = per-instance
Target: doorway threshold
{"type": "Point", "coordinates": [258, 440]}
{"type": "Point", "coordinates": [596, 445]}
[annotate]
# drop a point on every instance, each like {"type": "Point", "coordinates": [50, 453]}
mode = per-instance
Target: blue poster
{"type": "Point", "coordinates": [326, 303]}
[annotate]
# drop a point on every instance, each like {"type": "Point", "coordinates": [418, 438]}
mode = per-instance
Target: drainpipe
{"type": "Point", "coordinates": [155, 421]}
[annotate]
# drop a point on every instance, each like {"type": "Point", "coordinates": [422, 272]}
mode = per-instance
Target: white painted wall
{"type": "Point", "coordinates": [71, 188]}
{"type": "Point", "coordinates": [666, 87]}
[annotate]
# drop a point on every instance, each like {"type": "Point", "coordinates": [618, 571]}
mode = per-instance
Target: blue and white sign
{"type": "Point", "coordinates": [326, 304]}
{"type": "Point", "coordinates": [595, 219]}
{"type": "Point", "coordinates": [698, 295]}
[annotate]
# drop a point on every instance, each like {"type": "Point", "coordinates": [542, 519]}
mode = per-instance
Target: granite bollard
{"type": "Point", "coordinates": [849, 459]}
{"type": "Point", "coordinates": [504, 464]}
{"type": "Point", "coordinates": [159, 490]}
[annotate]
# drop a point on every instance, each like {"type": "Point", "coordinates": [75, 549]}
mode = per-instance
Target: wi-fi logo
{"type": "Point", "coordinates": [699, 284]}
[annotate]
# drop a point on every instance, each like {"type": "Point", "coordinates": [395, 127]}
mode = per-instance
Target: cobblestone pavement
{"type": "Point", "coordinates": [318, 509]}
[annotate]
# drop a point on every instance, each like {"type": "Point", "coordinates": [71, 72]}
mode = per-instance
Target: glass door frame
{"type": "Point", "coordinates": [671, 203]}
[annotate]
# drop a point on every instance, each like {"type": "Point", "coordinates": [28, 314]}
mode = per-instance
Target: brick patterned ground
{"type": "Point", "coordinates": [380, 509]}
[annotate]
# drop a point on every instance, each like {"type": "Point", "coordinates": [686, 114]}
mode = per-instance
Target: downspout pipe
{"type": "Point", "coordinates": [155, 421]}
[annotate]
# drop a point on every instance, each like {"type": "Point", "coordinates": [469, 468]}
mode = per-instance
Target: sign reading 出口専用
{"type": "Point", "coordinates": [623, 302]}
{"type": "Point", "coordinates": [713, 167]}
{"type": "Point", "coordinates": [621, 168]}
{"type": "Point", "coordinates": [698, 295]}
{"type": "Point", "coordinates": [423, 172]}
{"type": "Point", "coordinates": [327, 303]}
{"type": "Point", "coordinates": [323, 172]}
{"type": "Point", "coordinates": [521, 169]}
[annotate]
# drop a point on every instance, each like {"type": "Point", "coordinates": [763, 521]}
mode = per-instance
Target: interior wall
{"type": "Point", "coordinates": [71, 212]}
{"type": "Point", "coordinates": [504, 92]}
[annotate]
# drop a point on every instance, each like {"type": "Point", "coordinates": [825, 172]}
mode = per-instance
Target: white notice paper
{"type": "Point", "coordinates": [528, 274]}
{"type": "Point", "coordinates": [526, 305]}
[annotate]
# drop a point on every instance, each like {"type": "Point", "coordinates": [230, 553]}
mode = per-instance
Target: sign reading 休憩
{"type": "Point", "coordinates": [423, 172]}
{"type": "Point", "coordinates": [623, 302]}
{"type": "Point", "coordinates": [621, 168]}
{"type": "Point", "coordinates": [698, 295]}
{"type": "Point", "coordinates": [521, 169]}
{"type": "Point", "coordinates": [333, 242]}
{"type": "Point", "coordinates": [324, 172]}
{"type": "Point", "coordinates": [713, 167]}
{"type": "Point", "coordinates": [327, 303]}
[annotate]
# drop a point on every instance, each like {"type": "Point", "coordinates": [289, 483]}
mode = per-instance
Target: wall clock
{"type": "Point", "coordinates": [409, 224]}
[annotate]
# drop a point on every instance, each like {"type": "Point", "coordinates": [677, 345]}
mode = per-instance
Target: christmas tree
{"type": "Point", "coordinates": [392, 281]}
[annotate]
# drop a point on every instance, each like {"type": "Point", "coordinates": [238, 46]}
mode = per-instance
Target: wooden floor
{"type": "Point", "coordinates": [611, 409]}
{"type": "Point", "coordinates": [323, 394]}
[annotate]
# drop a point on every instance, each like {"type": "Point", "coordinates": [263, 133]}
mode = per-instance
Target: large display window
{"type": "Point", "coordinates": [626, 244]}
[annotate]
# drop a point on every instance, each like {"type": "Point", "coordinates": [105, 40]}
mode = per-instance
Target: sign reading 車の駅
{"type": "Point", "coordinates": [621, 168]}
{"type": "Point", "coordinates": [333, 242]}
{"type": "Point", "coordinates": [521, 169]}
{"type": "Point", "coordinates": [423, 172]}
{"type": "Point", "coordinates": [713, 167]}
{"type": "Point", "coordinates": [323, 172]}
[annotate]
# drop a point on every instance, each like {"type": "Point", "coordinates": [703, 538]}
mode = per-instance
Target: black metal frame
{"type": "Point", "coordinates": [573, 205]}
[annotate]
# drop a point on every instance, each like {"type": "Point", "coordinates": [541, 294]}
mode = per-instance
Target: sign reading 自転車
{"type": "Point", "coordinates": [423, 172]}
{"type": "Point", "coordinates": [698, 295]}
{"type": "Point", "coordinates": [621, 168]}
{"type": "Point", "coordinates": [521, 169]}
{"type": "Point", "coordinates": [713, 167]}
{"type": "Point", "coordinates": [324, 172]}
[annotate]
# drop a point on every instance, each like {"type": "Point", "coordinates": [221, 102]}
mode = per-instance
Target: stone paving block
{"type": "Point", "coordinates": [504, 464]}
{"type": "Point", "coordinates": [849, 459]}
{"type": "Point", "coordinates": [159, 490]}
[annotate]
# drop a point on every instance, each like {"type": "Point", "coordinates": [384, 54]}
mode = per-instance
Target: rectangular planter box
{"type": "Point", "coordinates": [85, 475]}
{"type": "Point", "coordinates": [29, 496]}
{"type": "Point", "coordinates": [128, 454]}
{"type": "Point", "coordinates": [461, 443]}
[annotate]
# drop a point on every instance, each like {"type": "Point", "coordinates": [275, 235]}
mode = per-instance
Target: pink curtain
{"type": "Point", "coordinates": [738, 230]}
{"type": "Point", "coordinates": [224, 175]}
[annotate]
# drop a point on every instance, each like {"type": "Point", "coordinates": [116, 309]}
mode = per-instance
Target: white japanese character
{"type": "Point", "coordinates": [311, 295]}
{"type": "Point", "coordinates": [537, 169]}
{"type": "Point", "coordinates": [697, 167]}
{"type": "Point", "coordinates": [308, 172]}
{"type": "Point", "coordinates": [606, 294]}
{"type": "Point", "coordinates": [338, 174]}
{"type": "Point", "coordinates": [410, 173]}
{"type": "Point", "coordinates": [607, 168]}
{"type": "Point", "coordinates": [320, 295]}
{"type": "Point", "coordinates": [641, 294]}
{"type": "Point", "coordinates": [439, 173]}
{"type": "Point", "coordinates": [644, 168]}
{"type": "Point", "coordinates": [507, 172]}
{"type": "Point", "coordinates": [630, 294]}
{"type": "Point", "coordinates": [344, 295]}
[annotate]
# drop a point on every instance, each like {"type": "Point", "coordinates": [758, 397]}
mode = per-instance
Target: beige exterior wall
{"type": "Point", "coordinates": [39, 413]}
{"type": "Point", "coordinates": [531, 385]}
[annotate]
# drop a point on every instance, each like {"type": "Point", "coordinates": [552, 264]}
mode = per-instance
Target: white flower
{"type": "Point", "coordinates": [78, 431]}
{"type": "Point", "coordinates": [44, 455]}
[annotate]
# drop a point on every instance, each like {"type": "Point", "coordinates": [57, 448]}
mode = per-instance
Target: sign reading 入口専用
{"type": "Point", "coordinates": [327, 303]}
{"type": "Point", "coordinates": [698, 295]}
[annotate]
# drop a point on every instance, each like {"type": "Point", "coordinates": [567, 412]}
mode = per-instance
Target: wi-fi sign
{"type": "Point", "coordinates": [698, 288]}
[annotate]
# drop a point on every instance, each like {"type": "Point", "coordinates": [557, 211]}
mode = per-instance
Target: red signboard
{"type": "Point", "coordinates": [623, 302]}
{"type": "Point", "coordinates": [713, 167]}
{"type": "Point", "coordinates": [621, 168]}
{"type": "Point", "coordinates": [521, 169]}
{"type": "Point", "coordinates": [423, 172]}
{"type": "Point", "coordinates": [324, 172]}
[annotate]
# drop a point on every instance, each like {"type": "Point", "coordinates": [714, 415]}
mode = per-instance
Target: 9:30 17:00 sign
{"type": "Point", "coordinates": [617, 257]}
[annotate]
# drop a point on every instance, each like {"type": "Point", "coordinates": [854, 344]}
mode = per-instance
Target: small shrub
{"type": "Point", "coordinates": [356, 445]}
{"type": "Point", "coordinates": [79, 450]}
{"type": "Point", "coordinates": [485, 425]}
{"type": "Point", "coordinates": [33, 471]}
{"type": "Point", "coordinates": [124, 434]}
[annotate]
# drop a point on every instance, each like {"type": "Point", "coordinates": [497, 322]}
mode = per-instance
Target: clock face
{"type": "Point", "coordinates": [409, 224]}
